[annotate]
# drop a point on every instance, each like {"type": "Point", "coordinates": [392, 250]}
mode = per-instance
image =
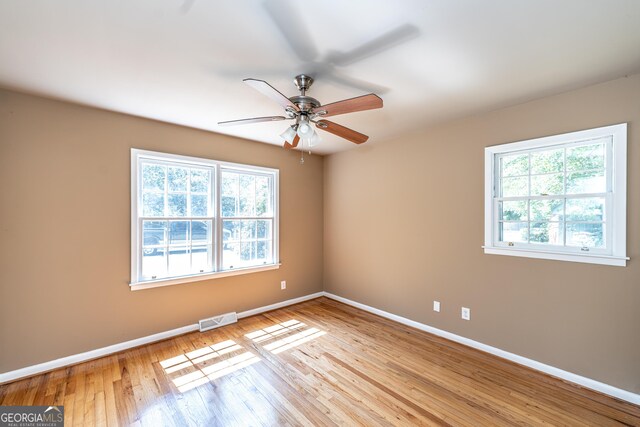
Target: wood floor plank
{"type": "Point", "coordinates": [318, 363]}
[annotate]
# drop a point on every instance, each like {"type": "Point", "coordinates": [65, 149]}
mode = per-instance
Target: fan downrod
{"type": "Point", "coordinates": [303, 82]}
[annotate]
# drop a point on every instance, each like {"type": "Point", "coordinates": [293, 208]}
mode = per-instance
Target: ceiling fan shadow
{"type": "Point", "coordinates": [290, 23]}
{"type": "Point", "coordinates": [186, 6]}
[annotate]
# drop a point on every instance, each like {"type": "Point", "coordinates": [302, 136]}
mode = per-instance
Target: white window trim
{"type": "Point", "coordinates": [218, 165]}
{"type": "Point", "coordinates": [618, 213]}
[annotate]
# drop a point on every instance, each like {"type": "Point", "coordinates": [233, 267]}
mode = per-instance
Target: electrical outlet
{"type": "Point", "coordinates": [466, 313]}
{"type": "Point", "coordinates": [436, 306]}
{"type": "Point", "coordinates": [283, 285]}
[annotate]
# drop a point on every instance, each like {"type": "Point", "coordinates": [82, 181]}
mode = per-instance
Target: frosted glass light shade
{"type": "Point", "coordinates": [305, 130]}
{"type": "Point", "coordinates": [288, 134]}
{"type": "Point", "coordinates": [314, 140]}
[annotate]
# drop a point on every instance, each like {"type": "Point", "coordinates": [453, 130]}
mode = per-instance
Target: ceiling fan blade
{"type": "Point", "coordinates": [252, 120]}
{"type": "Point", "coordinates": [293, 144]}
{"type": "Point", "coordinates": [291, 25]}
{"type": "Point", "coordinates": [341, 131]}
{"type": "Point", "coordinates": [360, 103]}
{"type": "Point", "coordinates": [385, 41]}
{"type": "Point", "coordinates": [271, 92]}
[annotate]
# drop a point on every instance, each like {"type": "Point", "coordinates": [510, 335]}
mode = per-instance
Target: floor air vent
{"type": "Point", "coordinates": [217, 321]}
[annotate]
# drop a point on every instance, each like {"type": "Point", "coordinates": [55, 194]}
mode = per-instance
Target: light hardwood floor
{"type": "Point", "coordinates": [316, 363]}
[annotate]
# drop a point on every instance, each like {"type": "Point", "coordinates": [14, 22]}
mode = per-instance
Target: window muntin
{"type": "Point", "coordinates": [189, 221]}
{"type": "Point", "coordinates": [561, 197]}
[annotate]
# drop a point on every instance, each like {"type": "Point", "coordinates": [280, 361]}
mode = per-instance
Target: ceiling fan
{"type": "Point", "coordinates": [306, 110]}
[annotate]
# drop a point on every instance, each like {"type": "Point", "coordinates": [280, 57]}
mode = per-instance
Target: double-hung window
{"type": "Point", "coordinates": [193, 219]}
{"type": "Point", "coordinates": [561, 197]}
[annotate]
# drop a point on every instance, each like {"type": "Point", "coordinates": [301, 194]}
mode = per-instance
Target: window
{"type": "Point", "coordinates": [193, 219]}
{"type": "Point", "coordinates": [561, 197]}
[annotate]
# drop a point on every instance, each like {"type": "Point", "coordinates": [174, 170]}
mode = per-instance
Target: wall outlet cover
{"type": "Point", "coordinates": [466, 313]}
{"type": "Point", "coordinates": [436, 306]}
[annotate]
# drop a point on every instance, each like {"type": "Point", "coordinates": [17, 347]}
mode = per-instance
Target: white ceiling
{"type": "Point", "coordinates": [183, 61]}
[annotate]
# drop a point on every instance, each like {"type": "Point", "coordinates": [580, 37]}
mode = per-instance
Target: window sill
{"type": "Point", "coordinates": [584, 258]}
{"type": "Point", "coordinates": [136, 286]}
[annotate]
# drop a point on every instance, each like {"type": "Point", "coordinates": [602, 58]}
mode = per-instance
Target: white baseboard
{"type": "Point", "coordinates": [556, 372]}
{"type": "Point", "coordinates": [279, 305]}
{"type": "Point", "coordinates": [115, 348]}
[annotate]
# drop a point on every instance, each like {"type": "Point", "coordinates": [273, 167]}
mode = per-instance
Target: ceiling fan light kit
{"type": "Point", "coordinates": [306, 110]}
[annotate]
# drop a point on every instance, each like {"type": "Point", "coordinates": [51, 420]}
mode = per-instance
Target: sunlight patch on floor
{"type": "Point", "coordinates": [200, 363]}
{"type": "Point", "coordinates": [296, 329]}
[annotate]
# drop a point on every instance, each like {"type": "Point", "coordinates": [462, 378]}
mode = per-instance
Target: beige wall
{"type": "Point", "coordinates": [64, 230]}
{"type": "Point", "coordinates": [403, 226]}
{"type": "Point", "coordinates": [390, 211]}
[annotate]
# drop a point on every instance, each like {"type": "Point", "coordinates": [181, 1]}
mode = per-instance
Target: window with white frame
{"type": "Point", "coordinates": [561, 197]}
{"type": "Point", "coordinates": [196, 218]}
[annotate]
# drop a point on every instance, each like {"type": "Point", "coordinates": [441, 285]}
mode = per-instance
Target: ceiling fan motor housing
{"type": "Point", "coordinates": [305, 103]}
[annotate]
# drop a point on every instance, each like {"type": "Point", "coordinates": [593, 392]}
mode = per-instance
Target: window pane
{"type": "Point", "coordinates": [513, 210]}
{"type": "Point", "coordinates": [547, 210]}
{"type": "Point", "coordinates": [201, 232]}
{"type": "Point", "coordinates": [263, 252]}
{"type": "Point", "coordinates": [585, 235]}
{"type": "Point", "coordinates": [514, 165]}
{"type": "Point", "coordinates": [517, 232]}
{"type": "Point", "coordinates": [199, 205]}
{"type": "Point", "coordinates": [153, 177]}
{"type": "Point", "coordinates": [247, 195]}
{"type": "Point", "coordinates": [547, 161]}
{"type": "Point", "coordinates": [247, 253]}
{"type": "Point", "coordinates": [229, 194]}
{"type": "Point", "coordinates": [248, 230]}
{"type": "Point", "coordinates": [263, 196]}
{"type": "Point", "coordinates": [546, 233]}
{"type": "Point", "coordinates": [153, 233]}
{"type": "Point", "coordinates": [201, 257]}
{"type": "Point", "coordinates": [515, 186]}
{"type": "Point", "coordinates": [179, 261]}
{"type": "Point", "coordinates": [231, 256]}
{"type": "Point", "coordinates": [586, 182]}
{"type": "Point", "coordinates": [152, 204]}
{"type": "Point", "coordinates": [154, 265]}
{"type": "Point", "coordinates": [589, 209]}
{"type": "Point", "coordinates": [263, 230]}
{"type": "Point", "coordinates": [585, 157]}
{"type": "Point", "coordinates": [179, 232]}
{"type": "Point", "coordinates": [177, 204]}
{"type": "Point", "coordinates": [231, 230]}
{"type": "Point", "coordinates": [200, 180]}
{"type": "Point", "coordinates": [177, 179]}
{"type": "Point", "coordinates": [547, 184]}
{"type": "Point", "coordinates": [229, 207]}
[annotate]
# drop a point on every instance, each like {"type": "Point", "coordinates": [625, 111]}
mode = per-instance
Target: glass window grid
{"type": "Point", "coordinates": [187, 245]}
{"type": "Point", "coordinates": [217, 241]}
{"type": "Point", "coordinates": [268, 216]}
{"type": "Point", "coordinates": [564, 196]}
